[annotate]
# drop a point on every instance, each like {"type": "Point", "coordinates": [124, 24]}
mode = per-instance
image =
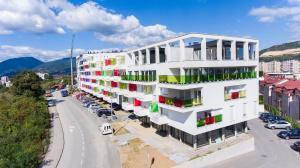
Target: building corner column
{"type": "Point", "coordinates": [246, 50]}
{"type": "Point", "coordinates": [233, 50]}
{"type": "Point", "coordinates": [203, 49]}
{"type": "Point", "coordinates": [157, 54]}
{"type": "Point", "coordinates": [195, 142]}
{"type": "Point", "coordinates": [182, 50]}
{"type": "Point", "coordinates": [219, 50]}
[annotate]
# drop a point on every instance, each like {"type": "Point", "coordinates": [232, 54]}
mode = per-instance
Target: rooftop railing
{"type": "Point", "coordinates": [205, 78]}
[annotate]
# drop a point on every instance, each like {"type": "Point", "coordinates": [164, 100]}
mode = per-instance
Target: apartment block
{"type": "Point", "coordinates": [197, 88]}
{"type": "Point", "coordinates": [291, 66]}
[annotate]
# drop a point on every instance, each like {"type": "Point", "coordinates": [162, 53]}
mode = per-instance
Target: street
{"type": "Point", "coordinates": [270, 151]}
{"type": "Point", "coordinates": [84, 145]}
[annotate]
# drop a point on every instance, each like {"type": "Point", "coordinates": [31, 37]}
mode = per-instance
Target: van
{"type": "Point", "coordinates": [106, 129]}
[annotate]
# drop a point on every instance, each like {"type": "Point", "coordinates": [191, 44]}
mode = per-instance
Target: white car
{"type": "Point", "coordinates": [92, 107]}
{"type": "Point", "coordinates": [279, 124]}
{"type": "Point", "coordinates": [106, 129]}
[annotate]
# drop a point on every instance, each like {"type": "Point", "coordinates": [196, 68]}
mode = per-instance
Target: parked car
{"type": "Point", "coordinates": [64, 93]}
{"type": "Point", "coordinates": [51, 103]}
{"type": "Point", "coordinates": [272, 118]}
{"type": "Point", "coordinates": [264, 115]}
{"type": "Point", "coordinates": [86, 104]}
{"type": "Point", "coordinates": [106, 129]}
{"type": "Point", "coordinates": [106, 112]}
{"type": "Point", "coordinates": [116, 107]}
{"type": "Point", "coordinates": [279, 124]}
{"type": "Point", "coordinates": [296, 146]}
{"type": "Point", "coordinates": [91, 104]}
{"type": "Point", "coordinates": [93, 107]}
{"type": "Point", "coordinates": [48, 94]}
{"type": "Point", "coordinates": [290, 134]}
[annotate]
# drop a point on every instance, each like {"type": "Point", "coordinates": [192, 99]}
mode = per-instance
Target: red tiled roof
{"type": "Point", "coordinates": [270, 80]}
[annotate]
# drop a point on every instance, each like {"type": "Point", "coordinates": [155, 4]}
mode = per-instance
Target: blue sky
{"type": "Point", "coordinates": [270, 21]}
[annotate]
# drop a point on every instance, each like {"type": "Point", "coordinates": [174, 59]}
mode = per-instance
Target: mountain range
{"type": "Point", "coordinates": [58, 67]}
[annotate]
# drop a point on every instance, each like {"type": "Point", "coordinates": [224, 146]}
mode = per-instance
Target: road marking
{"type": "Point", "coordinates": [81, 162]}
{"type": "Point", "coordinates": [71, 128]}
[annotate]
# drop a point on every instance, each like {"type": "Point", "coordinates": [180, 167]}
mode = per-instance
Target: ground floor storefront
{"type": "Point", "coordinates": [196, 141]}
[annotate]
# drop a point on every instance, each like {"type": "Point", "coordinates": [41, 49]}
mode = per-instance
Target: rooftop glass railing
{"type": "Point", "coordinates": [142, 78]}
{"type": "Point", "coordinates": [205, 78]}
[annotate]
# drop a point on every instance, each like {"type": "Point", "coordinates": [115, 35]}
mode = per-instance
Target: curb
{"type": "Point", "coordinates": [63, 136]}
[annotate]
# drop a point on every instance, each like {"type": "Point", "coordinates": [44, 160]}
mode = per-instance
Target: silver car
{"type": "Point", "coordinates": [281, 124]}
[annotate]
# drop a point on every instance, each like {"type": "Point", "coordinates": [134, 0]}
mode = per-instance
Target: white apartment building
{"type": "Point", "coordinates": [291, 66]}
{"type": "Point", "coordinates": [197, 88]}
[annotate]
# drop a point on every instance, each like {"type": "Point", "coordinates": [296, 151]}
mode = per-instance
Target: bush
{"type": "Point", "coordinates": [24, 123]}
{"type": "Point", "coordinates": [261, 99]}
{"type": "Point", "coordinates": [23, 131]}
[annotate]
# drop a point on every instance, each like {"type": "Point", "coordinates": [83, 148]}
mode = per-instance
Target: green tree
{"type": "Point", "coordinates": [27, 83]}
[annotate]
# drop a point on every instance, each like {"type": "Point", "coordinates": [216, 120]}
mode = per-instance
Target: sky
{"type": "Point", "coordinates": [44, 28]}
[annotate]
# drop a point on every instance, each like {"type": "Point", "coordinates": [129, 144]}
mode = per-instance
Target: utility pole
{"type": "Point", "coordinates": [71, 60]}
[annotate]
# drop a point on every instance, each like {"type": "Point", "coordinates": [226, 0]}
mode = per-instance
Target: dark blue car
{"type": "Point", "coordinates": [64, 93]}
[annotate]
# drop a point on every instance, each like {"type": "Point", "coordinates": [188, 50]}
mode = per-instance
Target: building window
{"type": "Point", "coordinates": [234, 92]}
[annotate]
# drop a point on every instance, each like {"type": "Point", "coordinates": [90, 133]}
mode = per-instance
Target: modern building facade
{"type": "Point", "coordinates": [197, 88]}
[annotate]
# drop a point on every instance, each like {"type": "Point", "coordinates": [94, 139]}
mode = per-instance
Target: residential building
{"type": "Point", "coordinates": [197, 88]}
{"type": "Point", "coordinates": [282, 93]}
{"type": "Point", "coordinates": [286, 66]}
{"type": "Point", "coordinates": [5, 81]}
{"type": "Point", "coordinates": [42, 75]}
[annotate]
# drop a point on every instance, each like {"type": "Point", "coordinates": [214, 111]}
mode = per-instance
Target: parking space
{"type": "Point", "coordinates": [278, 126]}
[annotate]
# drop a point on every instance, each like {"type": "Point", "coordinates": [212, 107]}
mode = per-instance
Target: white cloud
{"type": "Point", "coordinates": [294, 1]}
{"type": "Point", "coordinates": [8, 51]}
{"type": "Point", "coordinates": [265, 14]}
{"type": "Point", "coordinates": [27, 15]}
{"type": "Point", "coordinates": [141, 35]}
{"type": "Point", "coordinates": [40, 16]}
{"type": "Point", "coordinates": [289, 13]}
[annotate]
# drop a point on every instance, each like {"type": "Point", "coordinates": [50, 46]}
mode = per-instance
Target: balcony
{"type": "Point", "coordinates": [179, 102]}
{"type": "Point", "coordinates": [209, 120]}
{"type": "Point", "coordinates": [141, 78]}
{"type": "Point", "coordinates": [205, 78]}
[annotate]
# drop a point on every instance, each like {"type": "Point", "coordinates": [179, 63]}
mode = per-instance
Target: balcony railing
{"type": "Point", "coordinates": [205, 78]}
{"type": "Point", "coordinates": [235, 95]}
{"type": "Point", "coordinates": [143, 78]}
{"type": "Point", "coordinates": [179, 102]}
{"type": "Point", "coordinates": [209, 120]}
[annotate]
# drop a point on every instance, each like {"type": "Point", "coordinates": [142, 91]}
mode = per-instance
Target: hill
{"type": "Point", "coordinates": [281, 52]}
{"type": "Point", "coordinates": [14, 65]}
{"type": "Point", "coordinates": [57, 67]}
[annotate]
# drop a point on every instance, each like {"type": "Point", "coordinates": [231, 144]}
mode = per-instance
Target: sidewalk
{"type": "Point", "coordinates": [56, 145]}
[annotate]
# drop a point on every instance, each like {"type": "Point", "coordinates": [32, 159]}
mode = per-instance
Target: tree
{"type": "Point", "coordinates": [27, 83]}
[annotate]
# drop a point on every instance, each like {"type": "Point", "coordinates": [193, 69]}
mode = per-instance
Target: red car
{"type": "Point", "coordinates": [48, 95]}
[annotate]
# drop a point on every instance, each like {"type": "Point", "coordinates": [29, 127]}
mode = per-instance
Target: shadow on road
{"type": "Point", "coordinates": [45, 163]}
{"type": "Point", "coordinates": [58, 101]}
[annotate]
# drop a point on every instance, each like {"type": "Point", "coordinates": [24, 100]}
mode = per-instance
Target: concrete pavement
{"type": "Point", "coordinates": [56, 145]}
{"type": "Point", "coordinates": [270, 152]}
{"type": "Point", "coordinates": [85, 146]}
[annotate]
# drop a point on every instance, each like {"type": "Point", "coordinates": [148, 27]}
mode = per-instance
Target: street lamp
{"type": "Point", "coordinates": [71, 60]}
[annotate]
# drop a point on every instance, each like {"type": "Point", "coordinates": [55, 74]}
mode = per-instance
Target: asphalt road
{"type": "Point", "coordinates": [84, 146]}
{"type": "Point", "coordinates": [270, 151]}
